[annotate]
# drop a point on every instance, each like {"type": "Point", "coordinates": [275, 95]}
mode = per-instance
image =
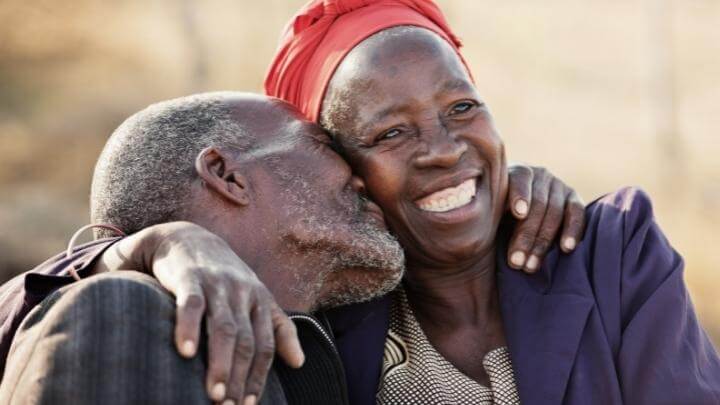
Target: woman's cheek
{"type": "Point", "coordinates": [384, 182]}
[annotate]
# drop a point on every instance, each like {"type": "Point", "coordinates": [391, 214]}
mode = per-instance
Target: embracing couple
{"type": "Point", "coordinates": [356, 223]}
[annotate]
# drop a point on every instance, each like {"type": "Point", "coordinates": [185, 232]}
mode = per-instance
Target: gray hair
{"type": "Point", "coordinates": [145, 172]}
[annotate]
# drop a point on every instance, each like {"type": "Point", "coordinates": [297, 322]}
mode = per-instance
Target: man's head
{"type": "Point", "coordinates": [251, 170]}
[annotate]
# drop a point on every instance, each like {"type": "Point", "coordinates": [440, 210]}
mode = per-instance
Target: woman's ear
{"type": "Point", "coordinates": [216, 169]}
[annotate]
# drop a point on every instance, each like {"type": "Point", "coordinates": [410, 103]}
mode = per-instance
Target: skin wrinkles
{"type": "Point", "coordinates": [301, 206]}
{"type": "Point", "coordinates": [412, 166]}
{"type": "Point", "coordinates": [258, 181]}
{"type": "Point", "coordinates": [407, 136]}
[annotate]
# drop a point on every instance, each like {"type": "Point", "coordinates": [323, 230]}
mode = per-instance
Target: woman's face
{"type": "Point", "coordinates": [411, 123]}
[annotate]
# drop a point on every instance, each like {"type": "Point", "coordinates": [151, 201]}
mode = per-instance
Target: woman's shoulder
{"type": "Point", "coordinates": [625, 254]}
{"type": "Point", "coordinates": [621, 260]}
{"type": "Point", "coordinates": [621, 213]}
{"type": "Point", "coordinates": [623, 236]}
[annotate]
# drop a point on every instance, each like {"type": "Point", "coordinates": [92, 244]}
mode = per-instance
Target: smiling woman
{"type": "Point", "coordinates": [387, 80]}
{"type": "Point", "coordinates": [443, 146]}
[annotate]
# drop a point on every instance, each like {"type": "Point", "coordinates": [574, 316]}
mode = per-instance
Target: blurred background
{"type": "Point", "coordinates": [604, 93]}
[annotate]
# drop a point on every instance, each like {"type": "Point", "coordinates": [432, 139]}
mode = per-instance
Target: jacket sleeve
{"type": "Point", "coordinates": [22, 293]}
{"type": "Point", "coordinates": [665, 356]}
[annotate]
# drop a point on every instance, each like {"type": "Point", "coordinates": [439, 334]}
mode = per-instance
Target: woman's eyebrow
{"type": "Point", "coordinates": [455, 84]}
{"type": "Point", "coordinates": [379, 117]}
{"type": "Point", "coordinates": [388, 111]}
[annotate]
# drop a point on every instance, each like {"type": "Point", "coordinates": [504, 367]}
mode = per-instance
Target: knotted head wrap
{"type": "Point", "coordinates": [323, 32]}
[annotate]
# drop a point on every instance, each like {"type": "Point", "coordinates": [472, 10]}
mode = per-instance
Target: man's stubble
{"type": "Point", "coordinates": [357, 260]}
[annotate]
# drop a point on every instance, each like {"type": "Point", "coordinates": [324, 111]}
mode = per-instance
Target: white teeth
{"type": "Point", "coordinates": [449, 198]}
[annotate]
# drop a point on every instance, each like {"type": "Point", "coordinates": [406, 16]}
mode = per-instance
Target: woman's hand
{"type": "Point", "coordinates": [542, 204]}
{"type": "Point", "coordinates": [244, 323]}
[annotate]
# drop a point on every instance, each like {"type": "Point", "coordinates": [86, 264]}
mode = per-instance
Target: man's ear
{"type": "Point", "coordinates": [219, 172]}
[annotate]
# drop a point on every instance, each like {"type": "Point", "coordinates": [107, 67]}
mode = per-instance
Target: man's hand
{"type": "Point", "coordinates": [244, 323]}
{"type": "Point", "coordinates": [542, 204]}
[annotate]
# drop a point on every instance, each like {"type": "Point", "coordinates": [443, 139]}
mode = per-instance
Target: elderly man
{"type": "Point", "coordinates": [265, 182]}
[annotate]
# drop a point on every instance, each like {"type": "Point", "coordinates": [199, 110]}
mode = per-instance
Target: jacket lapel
{"type": "Point", "coordinates": [543, 321]}
{"type": "Point", "coordinates": [543, 334]}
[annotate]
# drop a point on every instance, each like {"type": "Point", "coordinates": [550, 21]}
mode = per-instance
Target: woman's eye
{"type": "Point", "coordinates": [389, 134]}
{"type": "Point", "coordinates": [462, 107]}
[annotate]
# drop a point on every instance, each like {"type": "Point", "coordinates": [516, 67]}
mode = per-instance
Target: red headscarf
{"type": "Point", "coordinates": [322, 33]}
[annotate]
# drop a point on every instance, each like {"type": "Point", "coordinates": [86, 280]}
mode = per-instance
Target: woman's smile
{"type": "Point", "coordinates": [457, 204]}
{"type": "Point", "coordinates": [450, 198]}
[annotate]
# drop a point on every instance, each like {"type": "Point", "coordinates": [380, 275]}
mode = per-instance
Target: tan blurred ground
{"type": "Point", "coordinates": [584, 88]}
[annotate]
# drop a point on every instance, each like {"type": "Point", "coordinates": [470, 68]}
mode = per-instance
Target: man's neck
{"type": "Point", "coordinates": [289, 281]}
{"type": "Point", "coordinates": [294, 279]}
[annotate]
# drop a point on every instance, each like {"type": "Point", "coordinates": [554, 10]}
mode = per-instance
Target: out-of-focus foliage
{"type": "Point", "coordinates": [604, 93]}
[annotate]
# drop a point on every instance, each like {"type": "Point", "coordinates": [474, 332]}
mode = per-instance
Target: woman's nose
{"type": "Point", "coordinates": [443, 150]}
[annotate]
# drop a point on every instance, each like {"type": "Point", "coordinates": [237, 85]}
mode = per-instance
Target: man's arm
{"type": "Point", "coordinates": [546, 210]}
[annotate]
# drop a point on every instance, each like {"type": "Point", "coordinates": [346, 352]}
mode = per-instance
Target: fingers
{"type": "Point", "coordinates": [523, 238]}
{"type": "Point", "coordinates": [243, 351]}
{"type": "Point", "coordinates": [549, 227]}
{"type": "Point", "coordinates": [222, 336]}
{"type": "Point", "coordinates": [287, 342]}
{"type": "Point", "coordinates": [553, 206]}
{"type": "Point", "coordinates": [190, 302]}
{"type": "Point", "coordinates": [574, 222]}
{"type": "Point", "coordinates": [520, 183]}
{"type": "Point", "coordinates": [264, 353]}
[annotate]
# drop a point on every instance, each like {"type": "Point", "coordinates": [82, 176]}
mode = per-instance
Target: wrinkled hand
{"type": "Point", "coordinates": [244, 323]}
{"type": "Point", "coordinates": [543, 204]}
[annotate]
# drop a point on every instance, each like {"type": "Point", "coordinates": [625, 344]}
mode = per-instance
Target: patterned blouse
{"type": "Point", "coordinates": [415, 373]}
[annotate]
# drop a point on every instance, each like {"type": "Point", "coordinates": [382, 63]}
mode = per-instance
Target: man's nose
{"type": "Point", "coordinates": [357, 184]}
{"type": "Point", "coordinates": [442, 150]}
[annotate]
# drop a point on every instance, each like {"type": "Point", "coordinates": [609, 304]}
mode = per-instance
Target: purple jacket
{"type": "Point", "coordinates": [610, 323]}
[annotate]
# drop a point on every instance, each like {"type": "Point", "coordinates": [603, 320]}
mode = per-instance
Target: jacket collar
{"type": "Point", "coordinates": [360, 332]}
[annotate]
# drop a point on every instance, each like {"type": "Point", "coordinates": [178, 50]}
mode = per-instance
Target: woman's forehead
{"type": "Point", "coordinates": [376, 75]}
{"type": "Point", "coordinates": [390, 54]}
{"type": "Point", "coordinates": [394, 44]}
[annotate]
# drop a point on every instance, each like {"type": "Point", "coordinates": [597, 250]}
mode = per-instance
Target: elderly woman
{"type": "Point", "coordinates": [610, 323]}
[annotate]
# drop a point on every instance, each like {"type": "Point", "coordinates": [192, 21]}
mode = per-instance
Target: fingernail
{"type": "Point", "coordinates": [521, 207]}
{"type": "Point", "coordinates": [532, 263]}
{"type": "Point", "coordinates": [250, 400]}
{"type": "Point", "coordinates": [299, 355]}
{"type": "Point", "coordinates": [218, 392]}
{"type": "Point", "coordinates": [518, 259]}
{"type": "Point", "coordinates": [188, 348]}
{"type": "Point", "coordinates": [228, 402]}
{"type": "Point", "coordinates": [301, 359]}
{"type": "Point", "coordinates": [569, 244]}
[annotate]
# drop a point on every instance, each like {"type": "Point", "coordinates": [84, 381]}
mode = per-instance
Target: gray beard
{"type": "Point", "coordinates": [370, 264]}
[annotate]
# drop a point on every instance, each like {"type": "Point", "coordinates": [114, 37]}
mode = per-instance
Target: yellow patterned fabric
{"type": "Point", "coordinates": [415, 373]}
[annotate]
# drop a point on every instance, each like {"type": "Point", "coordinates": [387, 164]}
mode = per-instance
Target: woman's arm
{"type": "Point", "coordinates": [201, 270]}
